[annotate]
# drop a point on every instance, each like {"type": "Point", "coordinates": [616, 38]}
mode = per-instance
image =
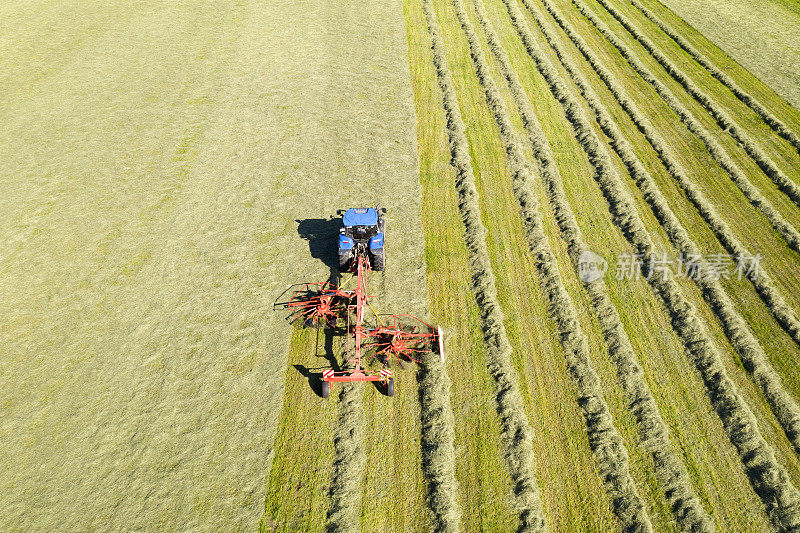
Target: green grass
{"type": "Point", "coordinates": [659, 359]}
{"type": "Point", "coordinates": [745, 30]}
{"type": "Point", "coordinates": [641, 315]}
{"type": "Point", "coordinates": [297, 499]}
{"type": "Point", "coordinates": [157, 162]}
{"type": "Point", "coordinates": [483, 480]}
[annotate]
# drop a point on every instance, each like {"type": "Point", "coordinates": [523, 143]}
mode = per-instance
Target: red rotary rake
{"type": "Point", "coordinates": [393, 337]}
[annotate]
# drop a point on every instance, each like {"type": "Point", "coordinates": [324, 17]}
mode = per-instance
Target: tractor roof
{"type": "Point", "coordinates": [360, 216]}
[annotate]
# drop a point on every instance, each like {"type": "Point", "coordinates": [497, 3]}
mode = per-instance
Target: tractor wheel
{"type": "Point", "coordinates": [344, 260]}
{"type": "Point", "coordinates": [326, 389]}
{"type": "Point", "coordinates": [378, 260]}
{"type": "Point", "coordinates": [390, 387]}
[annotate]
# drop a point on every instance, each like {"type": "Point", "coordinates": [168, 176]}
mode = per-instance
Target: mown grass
{"type": "Point", "coordinates": [779, 345]}
{"type": "Point", "coordinates": [780, 341]}
{"type": "Point", "coordinates": [738, 332]}
{"type": "Point", "coordinates": [364, 113]}
{"type": "Point", "coordinates": [752, 230]}
{"type": "Point", "coordinates": [496, 188]}
{"type": "Point", "coordinates": [763, 282]}
{"type": "Point", "coordinates": [154, 171]}
{"type": "Point", "coordinates": [605, 441]}
{"type": "Point", "coordinates": [669, 468]}
{"type": "Point", "coordinates": [769, 478]}
{"type": "Point", "coordinates": [723, 119]}
{"type": "Point", "coordinates": [740, 32]}
{"type": "Point", "coordinates": [482, 479]}
{"type": "Point", "coordinates": [516, 430]}
{"type": "Point", "coordinates": [139, 372]}
{"type": "Point", "coordinates": [298, 500]}
{"type": "Point", "coordinates": [769, 118]}
{"type": "Point", "coordinates": [717, 147]}
{"type": "Point", "coordinates": [629, 313]}
{"type": "Point", "coordinates": [156, 161]}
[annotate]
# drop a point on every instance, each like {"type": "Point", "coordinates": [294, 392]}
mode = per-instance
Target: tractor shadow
{"type": "Point", "coordinates": [322, 236]}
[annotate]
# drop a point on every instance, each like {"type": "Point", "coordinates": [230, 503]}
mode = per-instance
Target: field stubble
{"type": "Point", "coordinates": [763, 283]}
{"type": "Point", "coordinates": [517, 433]}
{"type": "Point", "coordinates": [737, 330]}
{"type": "Point", "coordinates": [137, 284]}
{"type": "Point", "coordinates": [745, 29]}
{"type": "Point", "coordinates": [769, 478]}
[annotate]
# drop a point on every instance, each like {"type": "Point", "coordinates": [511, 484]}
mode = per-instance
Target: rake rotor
{"type": "Point", "coordinates": [401, 337]}
{"type": "Point", "coordinates": [318, 304]}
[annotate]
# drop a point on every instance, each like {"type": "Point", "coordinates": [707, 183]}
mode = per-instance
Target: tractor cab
{"type": "Point", "coordinates": [361, 236]}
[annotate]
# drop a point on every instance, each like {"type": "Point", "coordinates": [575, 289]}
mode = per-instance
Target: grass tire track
{"type": "Point", "coordinates": [769, 479]}
{"type": "Point", "coordinates": [676, 484]}
{"type": "Point", "coordinates": [604, 439]}
{"type": "Point", "coordinates": [517, 431]}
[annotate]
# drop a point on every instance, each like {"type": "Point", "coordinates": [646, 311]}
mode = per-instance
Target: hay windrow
{"type": "Point", "coordinates": [763, 283]}
{"type": "Point", "coordinates": [723, 119]}
{"type": "Point", "coordinates": [672, 474]}
{"type": "Point", "coordinates": [438, 436]}
{"type": "Point", "coordinates": [517, 433]}
{"type": "Point", "coordinates": [348, 468]}
{"type": "Point", "coordinates": [777, 125]}
{"type": "Point", "coordinates": [604, 439]}
{"type": "Point", "coordinates": [786, 230]}
{"type": "Point", "coordinates": [769, 479]}
{"type": "Point", "coordinates": [738, 332]}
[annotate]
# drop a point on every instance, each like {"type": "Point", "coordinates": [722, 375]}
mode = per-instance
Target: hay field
{"type": "Point", "coordinates": [595, 127]}
{"type": "Point", "coordinates": [170, 174]}
{"type": "Point", "coordinates": [761, 36]}
{"type": "Point", "coordinates": [164, 169]}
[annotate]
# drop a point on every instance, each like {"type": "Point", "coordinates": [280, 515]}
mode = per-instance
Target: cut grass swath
{"type": "Point", "coordinates": [438, 435]}
{"type": "Point", "coordinates": [736, 328]}
{"type": "Point", "coordinates": [763, 283]}
{"type": "Point", "coordinates": [723, 119]}
{"type": "Point", "coordinates": [517, 432]}
{"type": "Point", "coordinates": [604, 439]}
{"type": "Point", "coordinates": [786, 230]}
{"type": "Point", "coordinates": [348, 467]}
{"type": "Point", "coordinates": [769, 479]}
{"type": "Point", "coordinates": [675, 481]}
{"type": "Point", "coordinates": [777, 125]}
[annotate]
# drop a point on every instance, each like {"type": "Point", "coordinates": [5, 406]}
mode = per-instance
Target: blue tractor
{"type": "Point", "coordinates": [361, 236]}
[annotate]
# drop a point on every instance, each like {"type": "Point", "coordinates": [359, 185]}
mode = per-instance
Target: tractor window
{"type": "Point", "coordinates": [362, 232]}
